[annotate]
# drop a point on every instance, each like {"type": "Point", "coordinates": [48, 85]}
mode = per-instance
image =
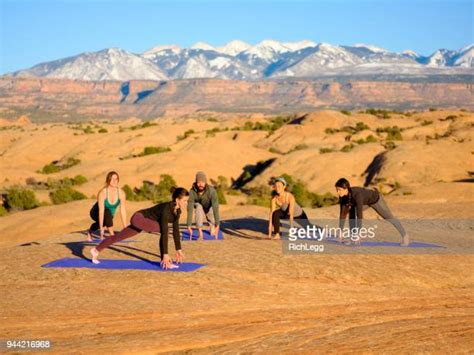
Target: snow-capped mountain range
{"type": "Point", "coordinates": [238, 60]}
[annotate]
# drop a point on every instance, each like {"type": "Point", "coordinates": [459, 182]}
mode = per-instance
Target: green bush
{"type": "Point", "coordinates": [325, 150]}
{"type": "Point", "coordinates": [298, 147]}
{"type": "Point", "coordinates": [185, 135]}
{"type": "Point", "coordinates": [102, 130]}
{"type": "Point", "coordinates": [50, 169]}
{"type": "Point", "coordinates": [154, 150]}
{"type": "Point", "coordinates": [20, 199]}
{"type": "Point", "coordinates": [66, 194]}
{"type": "Point", "coordinates": [57, 166]}
{"type": "Point", "coordinates": [274, 150]}
{"type": "Point", "coordinates": [378, 112]}
{"type": "Point", "coordinates": [259, 196]}
{"type": "Point", "coordinates": [347, 148]}
{"type": "Point", "coordinates": [306, 198]}
{"type": "Point", "coordinates": [3, 211]}
{"type": "Point", "coordinates": [389, 145]}
{"type": "Point", "coordinates": [150, 191]}
{"type": "Point", "coordinates": [393, 133]}
{"type": "Point", "coordinates": [369, 139]}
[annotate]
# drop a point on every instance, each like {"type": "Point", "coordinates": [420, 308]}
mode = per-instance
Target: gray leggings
{"type": "Point", "coordinates": [382, 209]}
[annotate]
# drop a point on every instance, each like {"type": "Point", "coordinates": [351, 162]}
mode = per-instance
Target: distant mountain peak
{"type": "Point", "coordinates": [239, 60]}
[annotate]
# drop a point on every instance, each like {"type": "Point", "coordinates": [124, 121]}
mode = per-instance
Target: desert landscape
{"type": "Point", "coordinates": [250, 296]}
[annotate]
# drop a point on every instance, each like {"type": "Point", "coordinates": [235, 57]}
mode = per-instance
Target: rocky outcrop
{"type": "Point", "coordinates": [150, 99]}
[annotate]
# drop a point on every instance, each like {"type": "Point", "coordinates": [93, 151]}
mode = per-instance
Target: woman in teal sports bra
{"type": "Point", "coordinates": [109, 199]}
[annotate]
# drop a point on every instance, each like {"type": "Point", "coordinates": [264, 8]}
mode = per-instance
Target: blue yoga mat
{"type": "Point", "coordinates": [388, 244]}
{"type": "Point", "coordinates": [112, 264]}
{"type": "Point", "coordinates": [206, 235]}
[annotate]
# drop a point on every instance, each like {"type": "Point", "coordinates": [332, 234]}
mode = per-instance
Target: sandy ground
{"type": "Point", "coordinates": [250, 297]}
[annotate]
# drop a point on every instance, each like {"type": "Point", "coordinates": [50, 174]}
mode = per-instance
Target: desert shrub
{"type": "Point", "coordinates": [150, 191]}
{"type": "Point", "coordinates": [298, 147]}
{"type": "Point", "coordinates": [139, 126]}
{"type": "Point", "coordinates": [185, 135]}
{"type": "Point", "coordinates": [57, 166]}
{"type": "Point", "coordinates": [389, 145]}
{"type": "Point", "coordinates": [66, 194]}
{"type": "Point", "coordinates": [50, 169]}
{"type": "Point", "coordinates": [19, 199]}
{"type": "Point", "coordinates": [426, 123]}
{"type": "Point", "coordinates": [393, 133]}
{"type": "Point", "coordinates": [325, 150]}
{"type": "Point", "coordinates": [259, 196]}
{"type": "Point", "coordinates": [212, 119]}
{"type": "Point", "coordinates": [345, 112]}
{"type": "Point", "coordinates": [88, 130]}
{"type": "Point", "coordinates": [369, 139]}
{"type": "Point", "coordinates": [432, 109]}
{"type": "Point", "coordinates": [269, 126]}
{"type": "Point", "coordinates": [102, 130]}
{"type": "Point", "coordinates": [449, 118]}
{"type": "Point", "coordinates": [3, 211]}
{"type": "Point", "coordinates": [212, 132]}
{"type": "Point", "coordinates": [384, 114]}
{"type": "Point", "coordinates": [331, 130]}
{"type": "Point", "coordinates": [274, 150]}
{"type": "Point", "coordinates": [306, 198]}
{"type": "Point", "coordinates": [347, 148]}
{"type": "Point", "coordinates": [154, 150]}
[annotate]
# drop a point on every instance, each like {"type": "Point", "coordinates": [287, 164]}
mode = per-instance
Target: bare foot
{"type": "Point", "coordinates": [89, 236]}
{"type": "Point", "coordinates": [405, 241]}
{"type": "Point", "coordinates": [95, 256]}
{"type": "Point", "coordinates": [276, 237]}
{"type": "Point", "coordinates": [200, 235]}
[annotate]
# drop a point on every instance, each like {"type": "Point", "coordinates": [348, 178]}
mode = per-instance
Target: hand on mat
{"type": "Point", "coordinates": [179, 256]}
{"type": "Point", "coordinates": [214, 231]}
{"type": "Point", "coordinates": [166, 262]}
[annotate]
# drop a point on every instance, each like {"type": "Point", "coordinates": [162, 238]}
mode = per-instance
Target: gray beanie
{"type": "Point", "coordinates": [201, 176]}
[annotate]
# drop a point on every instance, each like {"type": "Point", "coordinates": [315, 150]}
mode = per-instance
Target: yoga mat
{"type": "Point", "coordinates": [388, 244]}
{"type": "Point", "coordinates": [206, 235]}
{"type": "Point", "coordinates": [112, 264]}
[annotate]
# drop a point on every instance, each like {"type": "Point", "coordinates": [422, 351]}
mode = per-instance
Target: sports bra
{"type": "Point", "coordinates": [111, 207]}
{"type": "Point", "coordinates": [285, 205]}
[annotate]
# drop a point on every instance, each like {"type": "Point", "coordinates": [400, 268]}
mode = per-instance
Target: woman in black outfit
{"type": "Point", "coordinates": [352, 201]}
{"type": "Point", "coordinates": [154, 220]}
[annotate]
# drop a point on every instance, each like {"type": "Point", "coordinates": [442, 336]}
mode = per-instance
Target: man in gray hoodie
{"type": "Point", "coordinates": [203, 201]}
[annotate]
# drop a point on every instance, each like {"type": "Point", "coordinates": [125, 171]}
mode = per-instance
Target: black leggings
{"type": "Point", "coordinates": [94, 213]}
{"type": "Point", "coordinates": [280, 214]}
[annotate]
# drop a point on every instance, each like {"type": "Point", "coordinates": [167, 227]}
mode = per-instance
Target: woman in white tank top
{"type": "Point", "coordinates": [284, 206]}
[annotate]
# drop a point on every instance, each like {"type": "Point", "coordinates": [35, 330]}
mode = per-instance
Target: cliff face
{"type": "Point", "coordinates": [150, 99]}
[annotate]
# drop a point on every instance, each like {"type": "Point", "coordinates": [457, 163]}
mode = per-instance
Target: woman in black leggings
{"type": "Point", "coordinates": [352, 201]}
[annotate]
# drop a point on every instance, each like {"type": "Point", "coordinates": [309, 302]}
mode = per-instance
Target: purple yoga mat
{"type": "Point", "coordinates": [206, 235]}
{"type": "Point", "coordinates": [112, 264]}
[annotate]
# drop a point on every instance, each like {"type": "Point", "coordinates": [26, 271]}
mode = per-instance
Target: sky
{"type": "Point", "coordinates": [35, 31]}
